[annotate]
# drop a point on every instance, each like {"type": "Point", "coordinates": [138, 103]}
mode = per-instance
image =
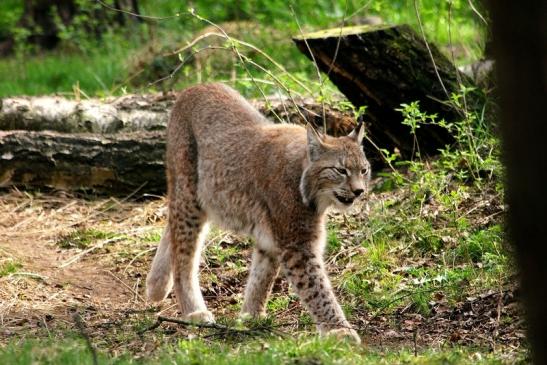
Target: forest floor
{"type": "Point", "coordinates": [74, 267]}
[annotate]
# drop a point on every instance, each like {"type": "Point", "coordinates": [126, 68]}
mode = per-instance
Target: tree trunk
{"type": "Point", "coordinates": [381, 67]}
{"type": "Point", "coordinates": [116, 164]}
{"type": "Point", "coordinates": [520, 50]}
{"type": "Point", "coordinates": [42, 19]}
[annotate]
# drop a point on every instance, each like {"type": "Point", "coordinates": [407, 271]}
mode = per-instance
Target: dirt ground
{"type": "Point", "coordinates": [65, 282]}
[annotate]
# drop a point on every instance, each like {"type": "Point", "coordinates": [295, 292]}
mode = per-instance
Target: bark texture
{"type": "Point", "coordinates": [116, 164]}
{"type": "Point", "coordinates": [519, 31]}
{"type": "Point", "coordinates": [381, 67]}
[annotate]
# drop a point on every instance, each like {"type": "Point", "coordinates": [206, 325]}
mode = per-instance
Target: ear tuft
{"type": "Point", "coordinates": [358, 132]}
{"type": "Point", "coordinates": [315, 143]}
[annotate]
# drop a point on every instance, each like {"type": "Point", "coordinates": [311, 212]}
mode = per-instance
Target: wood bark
{"type": "Point", "coordinates": [116, 164]}
{"type": "Point", "coordinates": [520, 50]}
{"type": "Point", "coordinates": [381, 67]}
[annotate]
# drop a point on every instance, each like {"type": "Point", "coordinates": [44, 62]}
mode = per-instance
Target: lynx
{"type": "Point", "coordinates": [229, 165]}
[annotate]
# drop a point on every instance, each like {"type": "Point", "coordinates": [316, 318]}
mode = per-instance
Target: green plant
{"type": "Point", "coordinates": [82, 238]}
{"type": "Point", "coordinates": [9, 266]}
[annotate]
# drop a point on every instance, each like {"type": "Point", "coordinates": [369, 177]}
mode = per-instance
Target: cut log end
{"type": "Point", "coordinates": [381, 67]}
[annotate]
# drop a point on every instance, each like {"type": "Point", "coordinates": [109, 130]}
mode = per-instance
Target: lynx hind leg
{"type": "Point", "coordinates": [188, 228]}
{"type": "Point", "coordinates": [264, 270]}
{"type": "Point", "coordinates": [159, 281]}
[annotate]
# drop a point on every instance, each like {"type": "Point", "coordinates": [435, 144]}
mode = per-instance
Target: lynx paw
{"type": "Point", "coordinates": [246, 316]}
{"type": "Point", "coordinates": [203, 316]}
{"type": "Point", "coordinates": [343, 334]}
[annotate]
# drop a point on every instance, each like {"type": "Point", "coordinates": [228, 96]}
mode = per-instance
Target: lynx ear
{"type": "Point", "coordinates": [315, 143]}
{"type": "Point", "coordinates": [358, 132]}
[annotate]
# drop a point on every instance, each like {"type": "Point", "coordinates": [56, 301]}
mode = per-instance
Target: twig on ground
{"type": "Point", "coordinates": [30, 274]}
{"type": "Point", "coordinates": [415, 339]}
{"type": "Point", "coordinates": [136, 291]}
{"type": "Point", "coordinates": [101, 244]}
{"type": "Point", "coordinates": [137, 256]}
{"type": "Point", "coordinates": [125, 285]}
{"type": "Point", "coordinates": [98, 212]}
{"type": "Point", "coordinates": [224, 330]}
{"type": "Point", "coordinates": [78, 320]}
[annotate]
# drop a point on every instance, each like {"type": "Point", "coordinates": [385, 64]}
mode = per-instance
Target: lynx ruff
{"type": "Point", "coordinates": [227, 164]}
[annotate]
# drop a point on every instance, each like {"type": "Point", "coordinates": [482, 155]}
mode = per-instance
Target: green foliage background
{"type": "Point", "coordinates": [102, 66]}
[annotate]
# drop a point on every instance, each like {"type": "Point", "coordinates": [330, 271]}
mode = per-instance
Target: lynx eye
{"type": "Point", "coordinates": [364, 171]}
{"type": "Point", "coordinates": [341, 171]}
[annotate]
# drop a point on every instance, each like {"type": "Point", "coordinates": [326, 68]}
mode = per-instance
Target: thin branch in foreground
{"type": "Point", "coordinates": [435, 68]}
{"type": "Point", "coordinates": [139, 16]}
{"type": "Point", "coordinates": [477, 12]}
{"type": "Point", "coordinates": [453, 58]}
{"type": "Point", "coordinates": [320, 79]}
{"type": "Point", "coordinates": [223, 330]}
{"type": "Point", "coordinates": [234, 49]}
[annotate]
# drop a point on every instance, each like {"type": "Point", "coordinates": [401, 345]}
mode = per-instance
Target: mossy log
{"type": "Point", "coordinates": [116, 164]}
{"type": "Point", "coordinates": [381, 67]}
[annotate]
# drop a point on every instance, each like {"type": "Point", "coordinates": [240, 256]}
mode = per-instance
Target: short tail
{"type": "Point", "coordinates": [159, 281]}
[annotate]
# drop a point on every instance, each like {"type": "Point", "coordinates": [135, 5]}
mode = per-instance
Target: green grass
{"type": "Point", "coordinates": [83, 238]}
{"type": "Point", "coordinates": [103, 67]}
{"type": "Point", "coordinates": [94, 72]}
{"type": "Point", "coordinates": [302, 350]}
{"type": "Point", "coordinates": [434, 230]}
{"type": "Point", "coordinates": [9, 266]}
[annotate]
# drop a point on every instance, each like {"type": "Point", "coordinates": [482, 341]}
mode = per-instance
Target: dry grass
{"type": "Point", "coordinates": [90, 255]}
{"type": "Point", "coordinates": [52, 281]}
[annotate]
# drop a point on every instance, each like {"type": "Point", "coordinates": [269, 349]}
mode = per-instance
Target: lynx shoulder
{"type": "Point", "coordinates": [228, 165]}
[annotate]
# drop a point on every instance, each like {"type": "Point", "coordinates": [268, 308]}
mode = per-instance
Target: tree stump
{"type": "Point", "coordinates": [381, 67]}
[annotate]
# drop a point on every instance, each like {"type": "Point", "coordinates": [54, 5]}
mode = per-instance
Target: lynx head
{"type": "Point", "coordinates": [336, 171]}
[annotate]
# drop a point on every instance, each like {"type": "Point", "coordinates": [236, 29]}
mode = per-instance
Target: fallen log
{"type": "Point", "coordinates": [127, 113]}
{"type": "Point", "coordinates": [111, 146]}
{"type": "Point", "coordinates": [381, 67]}
{"type": "Point", "coordinates": [111, 163]}
{"type": "Point", "coordinates": [116, 164]}
{"type": "Point", "coordinates": [150, 112]}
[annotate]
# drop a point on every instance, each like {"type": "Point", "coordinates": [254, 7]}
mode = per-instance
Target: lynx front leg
{"type": "Point", "coordinates": [264, 270]}
{"type": "Point", "coordinates": [306, 273]}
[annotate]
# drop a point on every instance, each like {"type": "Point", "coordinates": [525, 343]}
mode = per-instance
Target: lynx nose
{"type": "Point", "coordinates": [358, 192]}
